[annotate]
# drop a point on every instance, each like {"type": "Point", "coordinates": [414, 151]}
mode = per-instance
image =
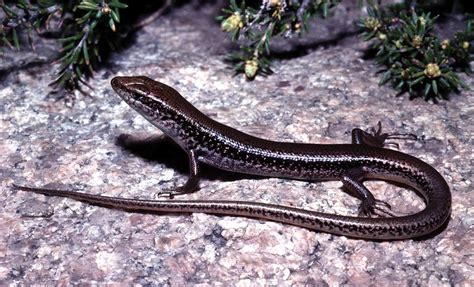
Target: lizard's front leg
{"type": "Point", "coordinates": [192, 184]}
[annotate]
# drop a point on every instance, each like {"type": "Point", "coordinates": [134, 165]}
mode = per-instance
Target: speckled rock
{"type": "Point", "coordinates": [317, 95]}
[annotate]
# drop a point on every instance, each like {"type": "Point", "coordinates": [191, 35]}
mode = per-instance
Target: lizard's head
{"type": "Point", "coordinates": [157, 102]}
{"type": "Point", "coordinates": [141, 90]}
{"type": "Point", "coordinates": [147, 96]}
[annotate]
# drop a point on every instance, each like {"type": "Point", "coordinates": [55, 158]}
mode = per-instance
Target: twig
{"type": "Point", "coordinates": [153, 16]}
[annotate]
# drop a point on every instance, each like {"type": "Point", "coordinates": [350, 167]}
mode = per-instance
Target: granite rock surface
{"type": "Point", "coordinates": [323, 86]}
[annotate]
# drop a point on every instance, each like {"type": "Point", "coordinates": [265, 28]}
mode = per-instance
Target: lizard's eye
{"type": "Point", "coordinates": [138, 90]}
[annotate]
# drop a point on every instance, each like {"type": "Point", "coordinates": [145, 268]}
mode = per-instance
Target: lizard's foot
{"type": "Point", "coordinates": [378, 138]}
{"type": "Point", "coordinates": [191, 185]}
{"type": "Point", "coordinates": [377, 207]}
{"type": "Point", "coordinates": [171, 193]}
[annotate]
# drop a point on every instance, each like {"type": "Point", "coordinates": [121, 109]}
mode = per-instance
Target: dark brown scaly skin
{"type": "Point", "coordinates": [207, 141]}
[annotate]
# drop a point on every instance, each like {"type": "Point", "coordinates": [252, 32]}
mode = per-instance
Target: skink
{"type": "Point", "coordinates": [209, 142]}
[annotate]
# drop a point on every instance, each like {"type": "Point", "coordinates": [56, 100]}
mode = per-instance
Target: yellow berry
{"type": "Point", "coordinates": [405, 74]}
{"type": "Point", "coordinates": [251, 68]}
{"type": "Point", "coordinates": [445, 44]}
{"type": "Point", "coordinates": [297, 27]}
{"type": "Point", "coordinates": [465, 45]}
{"type": "Point", "coordinates": [422, 21]}
{"type": "Point", "coordinates": [432, 70]}
{"type": "Point", "coordinates": [371, 23]}
{"type": "Point", "coordinates": [275, 2]}
{"type": "Point", "coordinates": [417, 41]}
{"type": "Point", "coordinates": [232, 23]}
{"type": "Point", "coordinates": [106, 9]}
{"type": "Point", "coordinates": [398, 44]}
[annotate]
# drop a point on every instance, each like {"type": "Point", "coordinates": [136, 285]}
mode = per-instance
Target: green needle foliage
{"type": "Point", "coordinates": [25, 16]}
{"type": "Point", "coordinates": [81, 50]}
{"type": "Point", "coordinates": [256, 27]}
{"type": "Point", "coordinates": [416, 60]}
{"type": "Point", "coordinates": [86, 26]}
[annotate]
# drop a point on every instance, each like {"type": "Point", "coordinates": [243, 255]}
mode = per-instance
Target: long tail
{"type": "Point", "coordinates": [424, 222]}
